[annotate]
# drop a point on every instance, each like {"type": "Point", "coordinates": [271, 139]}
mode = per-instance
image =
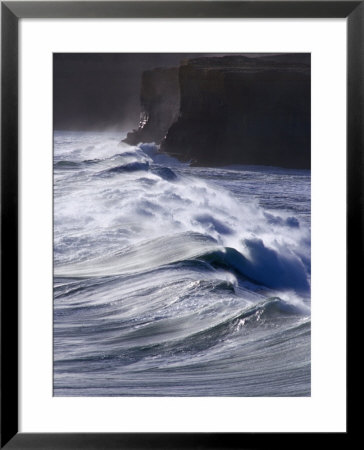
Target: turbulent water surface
{"type": "Point", "coordinates": [171, 280]}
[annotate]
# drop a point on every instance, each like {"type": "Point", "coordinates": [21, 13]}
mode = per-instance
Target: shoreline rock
{"type": "Point", "coordinates": [217, 111]}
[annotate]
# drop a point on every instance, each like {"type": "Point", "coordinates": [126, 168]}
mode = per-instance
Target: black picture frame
{"type": "Point", "coordinates": [11, 12]}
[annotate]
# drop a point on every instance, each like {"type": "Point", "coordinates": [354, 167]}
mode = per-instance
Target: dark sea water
{"type": "Point", "coordinates": [171, 280]}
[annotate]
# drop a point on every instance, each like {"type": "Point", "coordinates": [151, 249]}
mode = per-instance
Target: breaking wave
{"type": "Point", "coordinates": [169, 277]}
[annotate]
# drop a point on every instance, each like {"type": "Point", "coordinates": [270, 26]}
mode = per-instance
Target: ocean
{"type": "Point", "coordinates": [174, 280]}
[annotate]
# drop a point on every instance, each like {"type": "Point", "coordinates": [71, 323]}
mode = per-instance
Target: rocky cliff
{"type": "Point", "coordinates": [230, 110]}
{"type": "Point", "coordinates": [160, 104]}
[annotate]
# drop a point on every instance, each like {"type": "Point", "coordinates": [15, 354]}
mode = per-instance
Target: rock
{"type": "Point", "coordinates": [230, 110]}
{"type": "Point", "coordinates": [160, 102]}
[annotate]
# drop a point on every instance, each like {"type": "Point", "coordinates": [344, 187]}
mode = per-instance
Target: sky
{"type": "Point", "coordinates": [101, 91]}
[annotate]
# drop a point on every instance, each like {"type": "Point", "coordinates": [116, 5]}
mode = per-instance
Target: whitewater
{"type": "Point", "coordinates": [174, 280]}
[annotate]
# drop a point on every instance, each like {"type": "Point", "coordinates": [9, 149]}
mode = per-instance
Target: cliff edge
{"type": "Point", "coordinates": [233, 109]}
{"type": "Point", "coordinates": [160, 104]}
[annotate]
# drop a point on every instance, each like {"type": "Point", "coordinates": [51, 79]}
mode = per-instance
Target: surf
{"type": "Point", "coordinates": [162, 268]}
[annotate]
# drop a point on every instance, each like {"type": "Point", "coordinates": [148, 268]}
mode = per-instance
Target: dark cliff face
{"type": "Point", "coordinates": [160, 104]}
{"type": "Point", "coordinates": [237, 110]}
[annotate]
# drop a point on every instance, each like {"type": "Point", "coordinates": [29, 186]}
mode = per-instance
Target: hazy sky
{"type": "Point", "coordinates": [102, 90]}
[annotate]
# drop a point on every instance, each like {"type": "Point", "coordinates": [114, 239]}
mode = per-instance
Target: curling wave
{"type": "Point", "coordinates": [170, 277]}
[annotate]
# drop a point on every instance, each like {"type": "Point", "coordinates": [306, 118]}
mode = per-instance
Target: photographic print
{"type": "Point", "coordinates": [182, 224]}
